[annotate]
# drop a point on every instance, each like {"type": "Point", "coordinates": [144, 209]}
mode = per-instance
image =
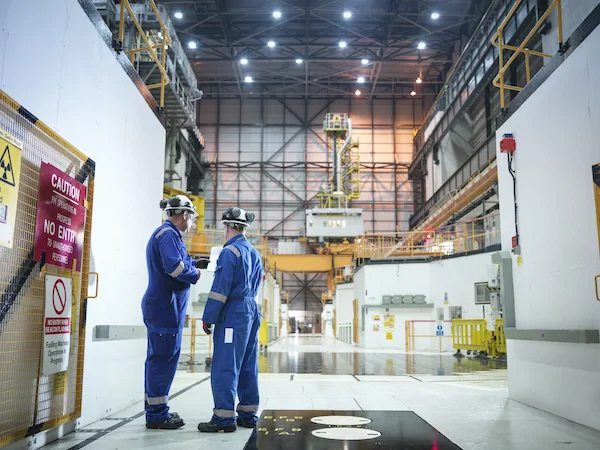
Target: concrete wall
{"type": "Point", "coordinates": [557, 138]}
{"type": "Point", "coordinates": [452, 279]}
{"type": "Point", "coordinates": [53, 62]}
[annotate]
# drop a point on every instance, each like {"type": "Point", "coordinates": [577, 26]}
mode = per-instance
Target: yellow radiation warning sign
{"type": "Point", "coordinates": [10, 174]}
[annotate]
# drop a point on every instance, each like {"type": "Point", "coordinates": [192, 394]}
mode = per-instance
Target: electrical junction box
{"type": "Point", "coordinates": [493, 276]}
{"type": "Point", "coordinates": [508, 144]}
{"type": "Point", "coordinates": [334, 222]}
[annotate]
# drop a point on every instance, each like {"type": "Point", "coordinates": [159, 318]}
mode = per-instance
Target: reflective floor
{"type": "Point", "coordinates": [412, 402]}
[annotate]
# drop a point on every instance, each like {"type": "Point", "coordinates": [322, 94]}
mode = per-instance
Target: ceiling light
{"type": "Point", "coordinates": [299, 61]}
{"type": "Point", "coordinates": [178, 15]}
{"type": "Point", "coordinates": [192, 45]}
{"type": "Point", "coordinates": [435, 15]}
{"type": "Point", "coordinates": [418, 80]}
{"type": "Point", "coordinates": [343, 44]}
{"type": "Point", "coordinates": [365, 62]}
{"type": "Point", "coordinates": [347, 14]}
{"type": "Point", "coordinates": [271, 44]}
{"type": "Point", "coordinates": [361, 79]}
{"type": "Point", "coordinates": [357, 92]}
{"type": "Point", "coordinates": [413, 93]}
{"type": "Point", "coordinates": [243, 61]}
{"type": "Point", "coordinates": [248, 79]}
{"type": "Point", "coordinates": [421, 45]}
{"type": "Point", "coordinates": [277, 14]}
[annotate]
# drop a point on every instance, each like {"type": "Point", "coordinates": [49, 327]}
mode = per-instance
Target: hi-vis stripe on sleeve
{"type": "Point", "coordinates": [161, 232]}
{"type": "Point", "coordinates": [218, 297]}
{"type": "Point", "coordinates": [234, 250]}
{"type": "Point", "coordinates": [178, 271]}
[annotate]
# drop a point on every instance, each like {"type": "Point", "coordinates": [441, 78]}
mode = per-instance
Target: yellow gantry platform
{"type": "Point", "coordinates": [309, 263]}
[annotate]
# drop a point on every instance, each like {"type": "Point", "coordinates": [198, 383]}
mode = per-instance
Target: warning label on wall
{"type": "Point", "coordinates": [57, 324]}
{"type": "Point", "coordinates": [60, 218]}
{"type": "Point", "coordinates": [10, 172]}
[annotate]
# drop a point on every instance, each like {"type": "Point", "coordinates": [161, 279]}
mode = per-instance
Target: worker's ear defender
{"type": "Point", "coordinates": [250, 217]}
{"type": "Point", "coordinates": [163, 203]}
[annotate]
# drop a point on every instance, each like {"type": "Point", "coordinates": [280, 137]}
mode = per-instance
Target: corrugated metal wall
{"type": "Point", "coordinates": [270, 156]}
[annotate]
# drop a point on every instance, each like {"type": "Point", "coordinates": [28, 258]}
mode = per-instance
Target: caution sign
{"type": "Point", "coordinates": [60, 218]}
{"type": "Point", "coordinates": [10, 174]}
{"type": "Point", "coordinates": [57, 324]}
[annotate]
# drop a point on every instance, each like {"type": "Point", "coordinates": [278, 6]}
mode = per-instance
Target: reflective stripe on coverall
{"type": "Point", "coordinates": [232, 307]}
{"type": "Point", "coordinates": [170, 272]}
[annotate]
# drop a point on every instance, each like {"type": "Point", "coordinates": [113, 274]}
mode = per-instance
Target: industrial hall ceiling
{"type": "Point", "coordinates": [320, 48]}
{"type": "Point", "coordinates": [271, 70]}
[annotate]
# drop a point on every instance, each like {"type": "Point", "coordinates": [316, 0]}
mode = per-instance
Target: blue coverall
{"type": "Point", "coordinates": [171, 271]}
{"type": "Point", "coordinates": [232, 307]}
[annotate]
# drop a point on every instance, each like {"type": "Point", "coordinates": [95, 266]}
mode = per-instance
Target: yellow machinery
{"type": "Point", "coordinates": [197, 242]}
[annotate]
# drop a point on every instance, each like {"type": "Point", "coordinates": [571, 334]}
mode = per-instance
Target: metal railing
{"type": "Point", "coordinates": [480, 159]}
{"type": "Point", "coordinates": [428, 327]}
{"type": "Point", "coordinates": [499, 41]}
{"type": "Point", "coordinates": [195, 340]}
{"type": "Point", "coordinates": [164, 37]}
{"type": "Point", "coordinates": [462, 237]}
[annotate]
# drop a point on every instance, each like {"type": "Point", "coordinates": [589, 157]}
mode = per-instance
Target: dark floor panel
{"type": "Point", "coordinates": [387, 430]}
{"type": "Point", "coordinates": [364, 364]}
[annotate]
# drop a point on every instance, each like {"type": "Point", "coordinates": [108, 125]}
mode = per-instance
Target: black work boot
{"type": "Point", "coordinates": [211, 427]}
{"type": "Point", "coordinates": [172, 423]}
{"type": "Point", "coordinates": [245, 423]}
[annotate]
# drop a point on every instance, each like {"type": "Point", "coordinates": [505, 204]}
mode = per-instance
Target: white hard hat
{"type": "Point", "coordinates": [178, 204]}
{"type": "Point", "coordinates": [237, 216]}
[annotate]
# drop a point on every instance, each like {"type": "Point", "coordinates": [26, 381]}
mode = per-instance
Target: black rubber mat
{"type": "Point", "coordinates": [347, 430]}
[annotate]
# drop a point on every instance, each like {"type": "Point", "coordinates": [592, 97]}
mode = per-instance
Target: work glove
{"type": "Point", "coordinates": [206, 327]}
{"type": "Point", "coordinates": [202, 263]}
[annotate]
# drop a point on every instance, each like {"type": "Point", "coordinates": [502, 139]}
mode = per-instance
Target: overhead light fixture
{"type": "Point", "coordinates": [365, 62]}
{"type": "Point", "coordinates": [243, 61]}
{"type": "Point", "coordinates": [347, 14]}
{"type": "Point", "coordinates": [271, 44]}
{"type": "Point", "coordinates": [178, 15]}
{"type": "Point", "coordinates": [248, 79]}
{"type": "Point", "coordinates": [343, 44]}
{"type": "Point", "coordinates": [192, 45]}
{"type": "Point", "coordinates": [277, 14]}
{"type": "Point", "coordinates": [299, 61]}
{"type": "Point", "coordinates": [418, 80]}
{"type": "Point", "coordinates": [357, 92]}
{"type": "Point", "coordinates": [361, 79]}
{"type": "Point", "coordinates": [160, 34]}
{"type": "Point", "coordinates": [435, 15]}
{"type": "Point", "coordinates": [413, 93]}
{"type": "Point", "coordinates": [421, 45]}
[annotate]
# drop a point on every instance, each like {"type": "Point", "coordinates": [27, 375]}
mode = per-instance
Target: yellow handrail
{"type": "Point", "coordinates": [166, 41]}
{"type": "Point", "coordinates": [498, 41]}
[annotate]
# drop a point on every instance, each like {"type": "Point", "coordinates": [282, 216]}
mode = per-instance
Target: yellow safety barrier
{"type": "Point", "coordinates": [472, 335]}
{"type": "Point", "coordinates": [410, 334]}
{"type": "Point", "coordinates": [500, 337]}
{"type": "Point", "coordinates": [36, 398]}
{"type": "Point", "coordinates": [263, 332]}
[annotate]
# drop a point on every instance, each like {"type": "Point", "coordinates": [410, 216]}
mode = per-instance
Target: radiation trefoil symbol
{"type": "Point", "coordinates": [6, 172]}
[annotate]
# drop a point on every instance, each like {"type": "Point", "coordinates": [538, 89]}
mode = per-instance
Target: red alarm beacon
{"type": "Point", "coordinates": [508, 144]}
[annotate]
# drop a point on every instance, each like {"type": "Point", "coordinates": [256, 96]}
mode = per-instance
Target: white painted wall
{"type": "Point", "coordinates": [53, 62]}
{"type": "Point", "coordinates": [454, 276]}
{"type": "Point", "coordinates": [557, 138]}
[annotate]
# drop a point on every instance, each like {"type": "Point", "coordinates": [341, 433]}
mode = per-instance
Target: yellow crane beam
{"type": "Point", "coordinates": [309, 263]}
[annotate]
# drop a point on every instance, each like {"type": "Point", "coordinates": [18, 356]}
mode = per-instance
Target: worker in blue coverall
{"type": "Point", "coordinates": [232, 308]}
{"type": "Point", "coordinates": [171, 271]}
